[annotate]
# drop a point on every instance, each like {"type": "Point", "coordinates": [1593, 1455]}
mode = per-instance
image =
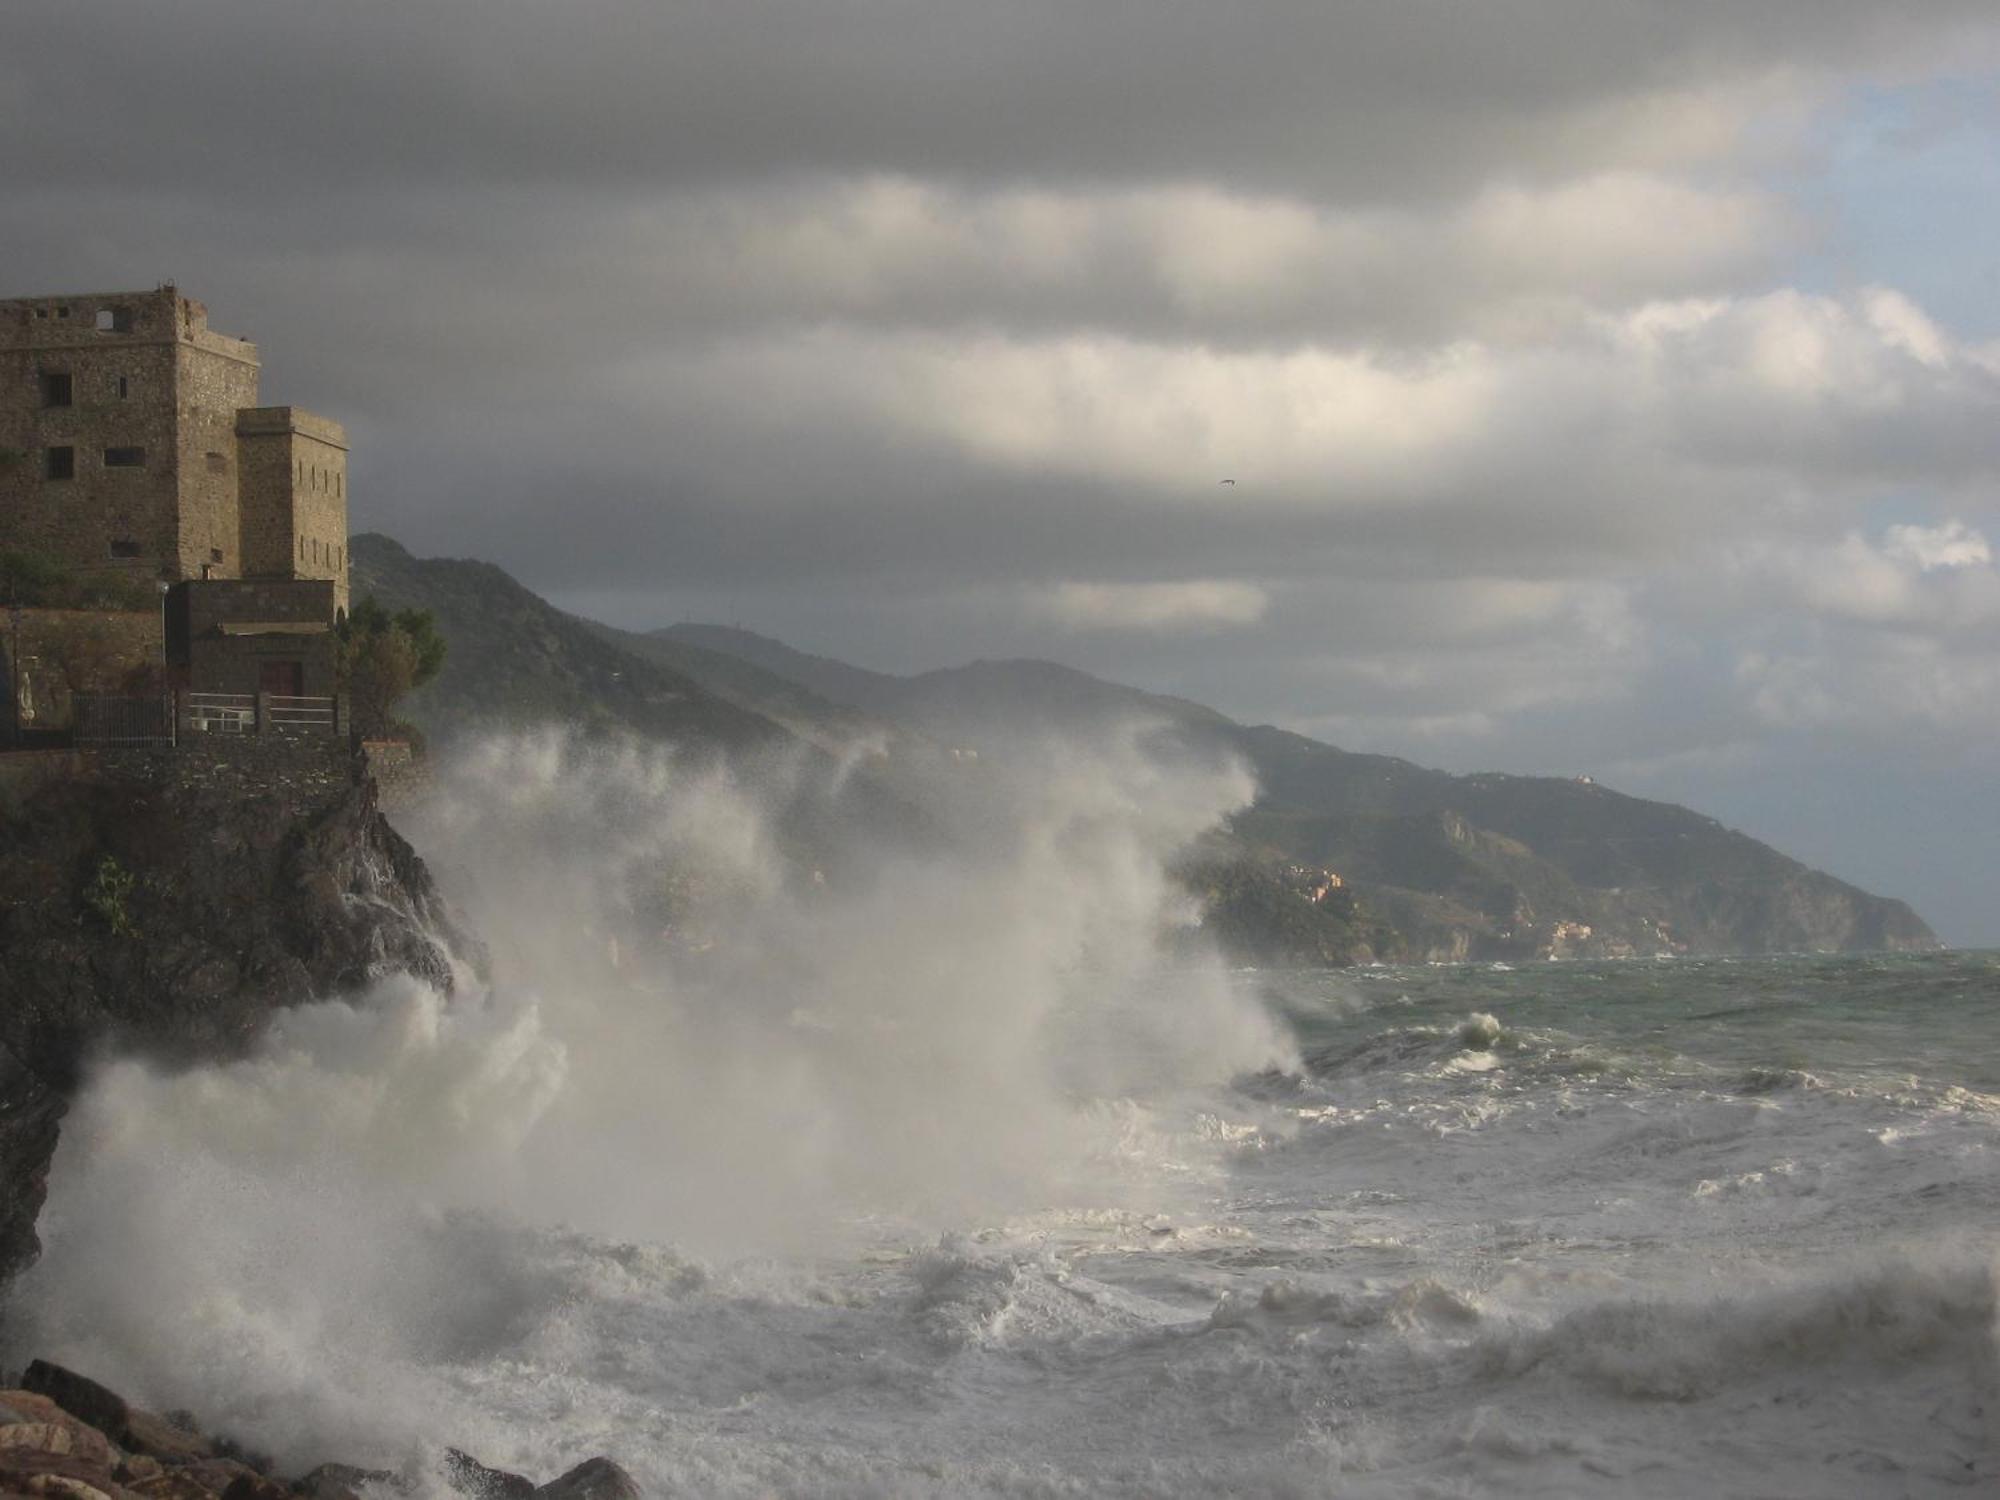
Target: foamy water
{"type": "Point", "coordinates": [958, 1187]}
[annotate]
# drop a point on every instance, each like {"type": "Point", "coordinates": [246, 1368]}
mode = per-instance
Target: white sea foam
{"type": "Point", "coordinates": [937, 1043]}
{"type": "Point", "coordinates": [944, 1181]}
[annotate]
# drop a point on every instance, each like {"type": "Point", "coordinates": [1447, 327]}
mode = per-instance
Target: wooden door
{"type": "Point", "coordinates": [282, 679]}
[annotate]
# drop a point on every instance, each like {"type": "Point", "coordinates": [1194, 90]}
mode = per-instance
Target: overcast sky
{"type": "Point", "coordinates": [1608, 385]}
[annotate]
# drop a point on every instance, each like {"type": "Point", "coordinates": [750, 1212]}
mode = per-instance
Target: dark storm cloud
{"type": "Point", "coordinates": [1348, 97]}
{"type": "Point", "coordinates": [926, 331]}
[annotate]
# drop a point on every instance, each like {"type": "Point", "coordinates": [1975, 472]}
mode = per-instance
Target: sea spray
{"type": "Point", "coordinates": [295, 1242]}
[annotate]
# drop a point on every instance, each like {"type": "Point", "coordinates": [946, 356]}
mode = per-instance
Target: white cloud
{"type": "Point", "coordinates": [1190, 257]}
{"type": "Point", "coordinates": [1705, 408]}
{"type": "Point", "coordinates": [1197, 604]}
{"type": "Point", "coordinates": [1952, 545]}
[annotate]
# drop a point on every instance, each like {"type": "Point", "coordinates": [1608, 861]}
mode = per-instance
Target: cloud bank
{"type": "Point", "coordinates": [1578, 403]}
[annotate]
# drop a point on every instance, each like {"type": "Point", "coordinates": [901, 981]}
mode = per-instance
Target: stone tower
{"type": "Point", "coordinates": [131, 441]}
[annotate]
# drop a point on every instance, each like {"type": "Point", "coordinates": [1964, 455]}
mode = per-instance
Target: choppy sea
{"type": "Point", "coordinates": [898, 1210]}
{"type": "Point", "coordinates": [1701, 1227]}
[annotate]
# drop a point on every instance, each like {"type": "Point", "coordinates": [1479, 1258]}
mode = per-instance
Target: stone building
{"type": "Point", "coordinates": [131, 442]}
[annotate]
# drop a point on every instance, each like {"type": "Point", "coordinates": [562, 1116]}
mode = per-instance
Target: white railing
{"type": "Point", "coordinates": [222, 713]}
{"type": "Point", "coordinates": [307, 715]}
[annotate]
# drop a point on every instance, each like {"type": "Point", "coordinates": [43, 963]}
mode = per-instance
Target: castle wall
{"type": "Point", "coordinates": [213, 383]}
{"type": "Point", "coordinates": [274, 621]}
{"type": "Point", "coordinates": [131, 441]}
{"type": "Point", "coordinates": [264, 478]}
{"type": "Point", "coordinates": [262, 601]}
{"type": "Point", "coordinates": [63, 652]}
{"type": "Point", "coordinates": [75, 400]}
{"type": "Point", "coordinates": [294, 496]}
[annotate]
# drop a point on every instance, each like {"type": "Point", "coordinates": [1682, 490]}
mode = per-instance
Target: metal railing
{"type": "Point", "coordinates": [220, 713]}
{"type": "Point", "coordinates": [260, 713]}
{"type": "Point", "coordinates": [105, 720]}
{"type": "Point", "coordinates": [289, 715]}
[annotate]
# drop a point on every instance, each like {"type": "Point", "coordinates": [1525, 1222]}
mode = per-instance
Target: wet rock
{"type": "Point", "coordinates": [330, 900]}
{"type": "Point", "coordinates": [593, 1479]}
{"type": "Point", "coordinates": [80, 1396]}
{"type": "Point", "coordinates": [34, 1423]}
{"type": "Point", "coordinates": [68, 1487]}
{"type": "Point", "coordinates": [31, 1471]}
{"type": "Point", "coordinates": [342, 1482]}
{"type": "Point", "coordinates": [172, 1484]}
{"type": "Point", "coordinates": [255, 1487]}
{"type": "Point", "coordinates": [155, 1436]}
{"type": "Point", "coordinates": [472, 1478]}
{"type": "Point", "coordinates": [211, 1475]}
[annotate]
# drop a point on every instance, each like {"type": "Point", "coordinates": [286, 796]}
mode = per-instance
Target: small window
{"type": "Point", "coordinates": [124, 387]}
{"type": "Point", "coordinates": [58, 388]}
{"type": "Point", "coordinates": [62, 312]}
{"type": "Point", "coordinates": [124, 547]}
{"type": "Point", "coordinates": [42, 313]}
{"type": "Point", "coordinates": [59, 463]}
{"type": "Point", "coordinates": [217, 463]}
{"type": "Point", "coordinates": [339, 487]}
{"type": "Point", "coordinates": [302, 549]}
{"type": "Point", "coordinates": [114, 320]}
{"type": "Point", "coordinates": [124, 458]}
{"type": "Point", "coordinates": [215, 554]}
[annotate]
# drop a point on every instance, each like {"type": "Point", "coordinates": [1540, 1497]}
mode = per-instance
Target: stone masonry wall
{"type": "Point", "coordinates": [66, 651]}
{"type": "Point", "coordinates": [294, 496]}
{"type": "Point", "coordinates": [214, 382]}
{"type": "Point", "coordinates": [303, 602]}
{"type": "Point", "coordinates": [264, 468]}
{"type": "Point", "coordinates": [99, 517]}
{"type": "Point", "coordinates": [131, 441]}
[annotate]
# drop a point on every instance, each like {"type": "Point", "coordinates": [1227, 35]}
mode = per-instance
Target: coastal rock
{"type": "Point", "coordinates": [472, 1478]}
{"type": "Point", "coordinates": [171, 1484]}
{"type": "Point", "coordinates": [33, 1421]}
{"type": "Point", "coordinates": [157, 1438]}
{"type": "Point", "coordinates": [212, 1475]}
{"type": "Point", "coordinates": [342, 1481]}
{"type": "Point", "coordinates": [255, 1487]}
{"type": "Point", "coordinates": [138, 914]}
{"type": "Point", "coordinates": [80, 1396]}
{"type": "Point", "coordinates": [593, 1479]}
{"type": "Point", "coordinates": [35, 1471]}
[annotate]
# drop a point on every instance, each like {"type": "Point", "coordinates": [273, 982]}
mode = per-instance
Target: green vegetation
{"type": "Point", "coordinates": [382, 656]}
{"type": "Point", "coordinates": [109, 889]}
{"type": "Point", "coordinates": [1261, 912]}
{"type": "Point", "coordinates": [37, 582]}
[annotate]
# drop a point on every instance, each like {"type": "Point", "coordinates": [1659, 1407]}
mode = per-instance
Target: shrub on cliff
{"type": "Point", "coordinates": [38, 582]}
{"type": "Point", "coordinates": [382, 656]}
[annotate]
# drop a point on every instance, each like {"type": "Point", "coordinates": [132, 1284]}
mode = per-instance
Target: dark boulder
{"type": "Point", "coordinates": [80, 1396]}
{"type": "Point", "coordinates": [343, 1482]}
{"type": "Point", "coordinates": [593, 1479]}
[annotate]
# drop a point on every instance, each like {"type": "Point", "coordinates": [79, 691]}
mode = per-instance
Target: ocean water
{"type": "Point", "coordinates": [948, 1193]}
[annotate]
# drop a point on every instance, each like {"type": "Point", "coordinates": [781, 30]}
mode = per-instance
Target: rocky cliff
{"type": "Point", "coordinates": [166, 902]}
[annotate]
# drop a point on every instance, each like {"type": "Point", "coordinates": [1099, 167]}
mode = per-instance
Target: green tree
{"type": "Point", "coordinates": [383, 656]}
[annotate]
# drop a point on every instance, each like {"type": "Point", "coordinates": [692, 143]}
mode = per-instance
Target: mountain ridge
{"type": "Point", "coordinates": [1343, 856]}
{"type": "Point", "coordinates": [1512, 866]}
